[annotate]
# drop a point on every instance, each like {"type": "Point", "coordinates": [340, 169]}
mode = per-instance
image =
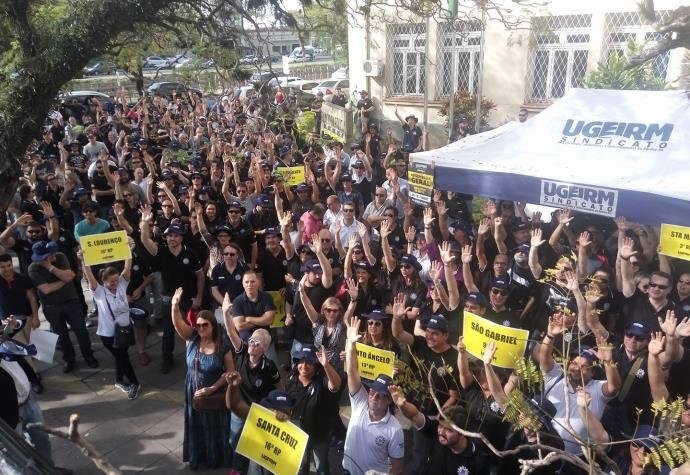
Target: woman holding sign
{"type": "Point", "coordinates": [110, 297]}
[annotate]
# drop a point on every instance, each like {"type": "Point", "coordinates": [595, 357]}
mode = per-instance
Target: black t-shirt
{"type": "Point", "coordinates": [228, 282]}
{"type": "Point", "coordinates": [13, 295]}
{"type": "Point", "coordinates": [303, 326]}
{"type": "Point", "coordinates": [637, 308]}
{"type": "Point", "coordinates": [258, 381]}
{"type": "Point", "coordinates": [100, 182]}
{"type": "Point", "coordinates": [444, 461]}
{"type": "Point", "coordinates": [243, 236]}
{"type": "Point", "coordinates": [443, 380]}
{"type": "Point", "coordinates": [178, 271]}
{"type": "Point", "coordinates": [272, 268]}
{"type": "Point", "coordinates": [243, 306]}
{"type": "Point", "coordinates": [314, 407]}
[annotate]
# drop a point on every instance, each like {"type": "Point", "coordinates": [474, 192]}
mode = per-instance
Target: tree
{"type": "Point", "coordinates": [673, 31]}
{"type": "Point", "coordinates": [616, 73]}
{"type": "Point", "coordinates": [48, 44]}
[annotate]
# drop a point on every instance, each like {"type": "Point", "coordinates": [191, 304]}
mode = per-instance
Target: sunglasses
{"type": "Point", "coordinates": [33, 231]}
{"type": "Point", "coordinates": [330, 310]}
{"type": "Point", "coordinates": [127, 195]}
{"type": "Point", "coordinates": [374, 323]}
{"type": "Point", "coordinates": [166, 206]}
{"type": "Point", "coordinates": [503, 292]}
{"type": "Point", "coordinates": [89, 211]}
{"type": "Point", "coordinates": [202, 325]}
{"type": "Point", "coordinates": [231, 254]}
{"type": "Point", "coordinates": [348, 210]}
{"type": "Point", "coordinates": [233, 211]}
{"type": "Point", "coordinates": [325, 240]}
{"type": "Point", "coordinates": [405, 266]}
{"type": "Point", "coordinates": [253, 342]}
{"type": "Point", "coordinates": [636, 337]}
{"type": "Point", "coordinates": [381, 194]}
{"type": "Point", "coordinates": [658, 286]}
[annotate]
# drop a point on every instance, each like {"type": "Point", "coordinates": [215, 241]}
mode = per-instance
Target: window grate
{"type": "Point", "coordinates": [461, 39]}
{"type": "Point", "coordinates": [405, 47]}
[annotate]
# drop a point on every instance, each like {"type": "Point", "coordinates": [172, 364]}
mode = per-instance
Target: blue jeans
{"type": "Point", "coordinates": [239, 462]}
{"type": "Point", "coordinates": [31, 412]}
{"type": "Point", "coordinates": [59, 316]}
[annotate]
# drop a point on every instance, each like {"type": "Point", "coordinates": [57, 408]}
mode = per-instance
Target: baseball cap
{"type": "Point", "coordinates": [376, 314]}
{"type": "Point", "coordinates": [411, 260]}
{"type": "Point", "coordinates": [437, 322]}
{"type": "Point", "coordinates": [272, 231]}
{"type": "Point", "coordinates": [638, 329]}
{"type": "Point", "coordinates": [312, 265]}
{"type": "Point", "coordinates": [501, 284]}
{"type": "Point", "coordinates": [277, 399]}
{"type": "Point", "coordinates": [41, 250]}
{"type": "Point", "coordinates": [381, 383]}
{"type": "Point", "coordinates": [307, 353]}
{"type": "Point", "coordinates": [476, 298]}
{"type": "Point", "coordinates": [175, 229]}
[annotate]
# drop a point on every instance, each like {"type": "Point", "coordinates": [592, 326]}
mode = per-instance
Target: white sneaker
{"type": "Point", "coordinates": [123, 387]}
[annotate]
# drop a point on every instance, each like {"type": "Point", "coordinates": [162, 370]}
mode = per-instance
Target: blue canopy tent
{"type": "Point", "coordinates": [610, 153]}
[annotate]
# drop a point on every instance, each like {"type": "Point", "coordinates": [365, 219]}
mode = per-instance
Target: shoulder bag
{"type": "Point", "coordinates": [206, 402]}
{"type": "Point", "coordinates": [124, 334]}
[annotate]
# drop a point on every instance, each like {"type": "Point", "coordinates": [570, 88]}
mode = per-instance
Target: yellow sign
{"type": "Point", "coordinates": [510, 342]}
{"type": "Point", "coordinates": [675, 241]}
{"type": "Point", "coordinates": [420, 177]}
{"type": "Point", "coordinates": [374, 361]}
{"type": "Point", "coordinates": [292, 175]}
{"type": "Point", "coordinates": [279, 302]}
{"type": "Point", "coordinates": [278, 446]}
{"type": "Point", "coordinates": [105, 247]}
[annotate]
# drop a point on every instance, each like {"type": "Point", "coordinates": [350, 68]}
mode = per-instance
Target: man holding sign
{"type": "Point", "coordinates": [374, 438]}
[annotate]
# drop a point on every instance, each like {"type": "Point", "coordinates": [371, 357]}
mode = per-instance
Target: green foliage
{"type": "Point", "coordinates": [326, 23]}
{"type": "Point", "coordinates": [616, 73]}
{"type": "Point", "coordinates": [466, 106]}
{"type": "Point", "coordinates": [306, 123]}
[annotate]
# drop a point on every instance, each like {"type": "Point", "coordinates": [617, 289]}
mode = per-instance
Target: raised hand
{"type": "Point", "coordinates": [397, 396]}
{"type": "Point", "coordinates": [322, 356]}
{"type": "Point", "coordinates": [571, 282]}
{"type": "Point", "coordinates": [683, 328]}
{"type": "Point", "coordinates": [286, 218]}
{"type": "Point", "coordinates": [621, 223]}
{"type": "Point", "coordinates": [536, 217]}
{"type": "Point", "coordinates": [385, 228]}
{"type": "Point", "coordinates": [353, 329]}
{"type": "Point", "coordinates": [351, 241]}
{"type": "Point", "coordinates": [410, 234]}
{"type": "Point", "coordinates": [484, 226]}
{"type": "Point", "coordinates": [435, 270]}
{"type": "Point", "coordinates": [161, 185]}
{"type": "Point", "coordinates": [656, 344]}
{"type": "Point", "coordinates": [177, 296]}
{"type": "Point", "coordinates": [489, 208]}
{"type": "Point", "coordinates": [467, 254]}
{"type": "Point", "coordinates": [146, 213]}
{"type": "Point", "coordinates": [627, 249]}
{"type": "Point", "coordinates": [584, 239]}
{"type": "Point", "coordinates": [352, 289]}
{"type": "Point", "coordinates": [408, 209]}
{"type": "Point", "coordinates": [489, 352]}
{"type": "Point", "coordinates": [362, 231]}
{"type": "Point", "coordinates": [669, 324]}
{"type": "Point", "coordinates": [556, 324]}
{"type": "Point", "coordinates": [227, 304]}
{"type": "Point", "coordinates": [536, 239]}
{"type": "Point", "coordinates": [399, 309]}
{"type": "Point", "coordinates": [316, 244]}
{"type": "Point", "coordinates": [564, 217]}
{"type": "Point", "coordinates": [444, 251]}
{"type": "Point", "coordinates": [604, 351]}
{"type": "Point", "coordinates": [441, 208]}
{"type": "Point", "coordinates": [428, 217]}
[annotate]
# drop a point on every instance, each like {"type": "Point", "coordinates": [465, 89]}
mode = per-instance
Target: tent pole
{"type": "Point", "coordinates": [426, 72]}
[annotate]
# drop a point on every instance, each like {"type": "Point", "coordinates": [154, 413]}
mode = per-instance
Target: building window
{"type": "Point", "coordinates": [462, 40]}
{"type": "Point", "coordinates": [624, 27]}
{"type": "Point", "coordinates": [406, 74]}
{"type": "Point", "coordinates": [559, 55]}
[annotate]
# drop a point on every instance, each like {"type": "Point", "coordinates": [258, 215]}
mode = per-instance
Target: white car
{"type": "Point", "coordinates": [328, 87]}
{"type": "Point", "coordinates": [156, 62]}
{"type": "Point", "coordinates": [341, 73]}
{"type": "Point", "coordinates": [305, 85]}
{"type": "Point", "coordinates": [284, 81]}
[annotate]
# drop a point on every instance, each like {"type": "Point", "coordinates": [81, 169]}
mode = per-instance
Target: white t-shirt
{"type": "Point", "coordinates": [369, 445]}
{"type": "Point", "coordinates": [118, 303]}
{"type": "Point", "coordinates": [556, 395]}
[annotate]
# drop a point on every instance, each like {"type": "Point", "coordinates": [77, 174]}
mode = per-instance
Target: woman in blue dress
{"type": "Point", "coordinates": [206, 433]}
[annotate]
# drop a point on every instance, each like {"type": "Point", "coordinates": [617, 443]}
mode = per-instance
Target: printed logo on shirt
{"type": "Point", "coordinates": [380, 441]}
{"type": "Point", "coordinates": [185, 261]}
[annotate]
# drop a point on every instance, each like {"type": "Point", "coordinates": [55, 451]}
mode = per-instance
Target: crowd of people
{"type": "Point", "coordinates": [216, 232]}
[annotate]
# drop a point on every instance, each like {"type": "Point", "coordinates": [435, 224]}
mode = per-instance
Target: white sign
{"type": "Point", "coordinates": [286, 66]}
{"type": "Point", "coordinates": [584, 198]}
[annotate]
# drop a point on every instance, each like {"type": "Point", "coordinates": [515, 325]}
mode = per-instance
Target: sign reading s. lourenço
{"type": "Point", "coordinates": [105, 247]}
{"type": "Point", "coordinates": [621, 135]}
{"type": "Point", "coordinates": [276, 445]}
{"type": "Point", "coordinates": [510, 342]}
{"type": "Point", "coordinates": [585, 198]}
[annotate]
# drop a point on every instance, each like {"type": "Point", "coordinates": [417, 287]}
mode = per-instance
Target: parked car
{"type": "Point", "coordinates": [249, 59]}
{"type": "Point", "coordinates": [262, 77]}
{"type": "Point", "coordinates": [79, 102]}
{"type": "Point", "coordinates": [303, 99]}
{"type": "Point", "coordinates": [303, 84]}
{"type": "Point", "coordinates": [18, 456]}
{"type": "Point", "coordinates": [284, 81]}
{"type": "Point", "coordinates": [328, 87]}
{"type": "Point", "coordinates": [166, 89]}
{"type": "Point", "coordinates": [156, 62]}
{"type": "Point", "coordinates": [100, 68]}
{"type": "Point", "coordinates": [300, 58]}
{"type": "Point", "coordinates": [341, 73]}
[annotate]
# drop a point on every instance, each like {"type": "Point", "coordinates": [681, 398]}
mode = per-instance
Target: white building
{"type": "Point", "coordinates": [528, 67]}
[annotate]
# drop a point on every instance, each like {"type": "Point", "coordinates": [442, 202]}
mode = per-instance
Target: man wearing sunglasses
{"type": "Point", "coordinates": [639, 307]}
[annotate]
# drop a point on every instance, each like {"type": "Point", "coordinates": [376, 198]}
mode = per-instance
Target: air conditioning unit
{"type": "Point", "coordinates": [373, 68]}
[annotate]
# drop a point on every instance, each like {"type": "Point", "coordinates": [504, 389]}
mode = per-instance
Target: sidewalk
{"type": "Point", "coordinates": [140, 436]}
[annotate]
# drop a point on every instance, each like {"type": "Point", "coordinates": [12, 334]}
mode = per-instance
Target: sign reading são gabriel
{"type": "Point", "coordinates": [624, 135]}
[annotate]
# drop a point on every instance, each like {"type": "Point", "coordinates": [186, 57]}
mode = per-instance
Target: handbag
{"type": "Point", "coordinates": [124, 334]}
{"type": "Point", "coordinates": [206, 402]}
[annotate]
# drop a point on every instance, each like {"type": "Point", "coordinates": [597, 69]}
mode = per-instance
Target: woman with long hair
{"type": "Point", "coordinates": [378, 332]}
{"type": "Point", "coordinates": [329, 329]}
{"type": "Point", "coordinates": [110, 297]}
{"type": "Point", "coordinates": [206, 433]}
